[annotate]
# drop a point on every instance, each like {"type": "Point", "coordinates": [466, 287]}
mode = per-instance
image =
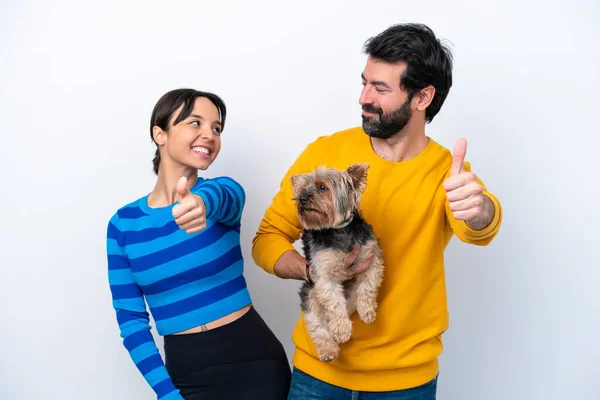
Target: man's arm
{"type": "Point", "coordinates": [280, 226]}
{"type": "Point", "coordinates": [291, 265]}
{"type": "Point", "coordinates": [473, 213]}
{"type": "Point", "coordinates": [479, 232]}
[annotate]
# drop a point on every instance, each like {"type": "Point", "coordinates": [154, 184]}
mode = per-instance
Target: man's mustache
{"type": "Point", "coordinates": [370, 108]}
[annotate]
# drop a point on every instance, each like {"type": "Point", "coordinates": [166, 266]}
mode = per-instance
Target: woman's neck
{"type": "Point", "coordinates": [165, 190]}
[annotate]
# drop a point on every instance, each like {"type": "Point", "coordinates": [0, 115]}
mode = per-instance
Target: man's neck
{"type": "Point", "coordinates": [403, 146]}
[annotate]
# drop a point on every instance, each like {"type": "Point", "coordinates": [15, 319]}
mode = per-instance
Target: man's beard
{"type": "Point", "coordinates": [388, 124]}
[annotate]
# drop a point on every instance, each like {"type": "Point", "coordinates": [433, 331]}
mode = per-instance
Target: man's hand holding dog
{"type": "Point", "coordinates": [465, 194]}
{"type": "Point", "coordinates": [292, 265]}
{"type": "Point", "coordinates": [353, 269]}
{"type": "Point", "coordinates": [190, 213]}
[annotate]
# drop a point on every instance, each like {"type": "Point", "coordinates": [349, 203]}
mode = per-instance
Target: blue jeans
{"type": "Point", "coordinates": [305, 387]}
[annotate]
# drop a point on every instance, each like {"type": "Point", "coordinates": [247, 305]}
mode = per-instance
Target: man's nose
{"type": "Point", "coordinates": [365, 97]}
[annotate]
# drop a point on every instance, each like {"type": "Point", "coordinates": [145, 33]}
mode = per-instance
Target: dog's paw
{"type": "Point", "coordinates": [341, 330]}
{"type": "Point", "coordinates": [367, 315]}
{"type": "Point", "coordinates": [328, 352]}
{"type": "Point", "coordinates": [328, 356]}
{"type": "Point", "coordinates": [367, 309]}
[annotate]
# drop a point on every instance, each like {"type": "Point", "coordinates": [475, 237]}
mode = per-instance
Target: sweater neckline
{"type": "Point", "coordinates": [367, 148]}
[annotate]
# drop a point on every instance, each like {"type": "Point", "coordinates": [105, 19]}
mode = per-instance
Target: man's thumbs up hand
{"type": "Point", "coordinates": [465, 194]}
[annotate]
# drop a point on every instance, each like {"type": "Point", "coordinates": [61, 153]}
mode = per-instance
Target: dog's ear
{"type": "Point", "coordinates": [358, 174]}
{"type": "Point", "coordinates": [296, 183]}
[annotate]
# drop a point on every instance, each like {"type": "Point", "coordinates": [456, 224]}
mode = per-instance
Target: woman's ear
{"type": "Point", "coordinates": [159, 136]}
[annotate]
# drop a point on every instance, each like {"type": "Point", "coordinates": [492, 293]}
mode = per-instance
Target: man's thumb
{"type": "Point", "coordinates": [459, 157]}
{"type": "Point", "coordinates": [182, 186]}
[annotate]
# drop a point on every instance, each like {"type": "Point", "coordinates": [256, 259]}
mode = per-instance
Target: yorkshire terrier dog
{"type": "Point", "coordinates": [327, 202]}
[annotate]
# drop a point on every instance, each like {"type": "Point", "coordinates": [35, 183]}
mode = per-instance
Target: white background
{"type": "Point", "coordinates": [78, 81]}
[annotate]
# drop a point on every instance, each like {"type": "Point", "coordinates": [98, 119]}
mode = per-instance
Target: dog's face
{"type": "Point", "coordinates": [327, 197]}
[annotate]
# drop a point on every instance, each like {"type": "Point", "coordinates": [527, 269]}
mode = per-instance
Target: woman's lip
{"type": "Point", "coordinates": [202, 154]}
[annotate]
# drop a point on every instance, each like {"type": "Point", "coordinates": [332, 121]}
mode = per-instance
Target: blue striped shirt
{"type": "Point", "coordinates": [186, 279]}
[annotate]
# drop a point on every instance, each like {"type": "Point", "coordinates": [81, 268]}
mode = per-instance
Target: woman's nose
{"type": "Point", "coordinates": [207, 134]}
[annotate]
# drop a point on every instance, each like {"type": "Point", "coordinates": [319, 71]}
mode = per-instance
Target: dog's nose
{"type": "Point", "coordinates": [303, 200]}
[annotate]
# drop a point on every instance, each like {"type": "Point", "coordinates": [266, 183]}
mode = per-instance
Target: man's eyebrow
{"type": "Point", "coordinates": [376, 83]}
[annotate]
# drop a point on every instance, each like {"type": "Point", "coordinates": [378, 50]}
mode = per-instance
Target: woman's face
{"type": "Point", "coordinates": [194, 142]}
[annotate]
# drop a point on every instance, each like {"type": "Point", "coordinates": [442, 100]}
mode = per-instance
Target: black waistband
{"type": "Point", "coordinates": [245, 339]}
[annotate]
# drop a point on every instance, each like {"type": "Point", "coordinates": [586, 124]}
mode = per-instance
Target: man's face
{"type": "Point", "coordinates": [386, 107]}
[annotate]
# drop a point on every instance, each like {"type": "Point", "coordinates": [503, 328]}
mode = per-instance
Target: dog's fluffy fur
{"type": "Point", "coordinates": [327, 202]}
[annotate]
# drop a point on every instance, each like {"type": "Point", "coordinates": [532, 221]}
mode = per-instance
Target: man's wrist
{"type": "Point", "coordinates": [307, 276]}
{"type": "Point", "coordinates": [291, 265]}
{"type": "Point", "coordinates": [486, 216]}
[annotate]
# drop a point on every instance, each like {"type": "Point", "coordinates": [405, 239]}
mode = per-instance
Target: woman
{"type": "Point", "coordinates": [179, 249]}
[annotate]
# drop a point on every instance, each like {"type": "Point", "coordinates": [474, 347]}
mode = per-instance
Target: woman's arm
{"type": "Point", "coordinates": [224, 199]}
{"type": "Point", "coordinates": [132, 317]}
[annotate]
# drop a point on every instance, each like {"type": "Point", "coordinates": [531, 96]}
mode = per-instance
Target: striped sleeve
{"type": "Point", "coordinates": [133, 319]}
{"type": "Point", "coordinates": [224, 199]}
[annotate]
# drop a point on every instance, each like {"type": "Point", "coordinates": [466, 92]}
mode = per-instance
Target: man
{"type": "Point", "coordinates": [418, 196]}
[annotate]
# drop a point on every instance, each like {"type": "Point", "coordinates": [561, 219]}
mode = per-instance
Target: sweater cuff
{"type": "Point", "coordinates": [208, 206]}
{"type": "Point", "coordinates": [491, 229]}
{"type": "Point", "coordinates": [174, 395]}
{"type": "Point", "coordinates": [273, 252]}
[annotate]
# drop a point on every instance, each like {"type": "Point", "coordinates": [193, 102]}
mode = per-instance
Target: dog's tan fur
{"type": "Point", "coordinates": [328, 201]}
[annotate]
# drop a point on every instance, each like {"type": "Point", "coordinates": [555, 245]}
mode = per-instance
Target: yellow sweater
{"type": "Point", "coordinates": [405, 202]}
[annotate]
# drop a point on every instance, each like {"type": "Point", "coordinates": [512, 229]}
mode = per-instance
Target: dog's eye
{"type": "Point", "coordinates": [322, 188]}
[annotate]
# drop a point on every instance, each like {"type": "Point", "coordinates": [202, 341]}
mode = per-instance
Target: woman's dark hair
{"type": "Point", "coordinates": [428, 62]}
{"type": "Point", "coordinates": [170, 102]}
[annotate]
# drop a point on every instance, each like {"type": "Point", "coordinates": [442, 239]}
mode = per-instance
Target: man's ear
{"type": "Point", "coordinates": [424, 97]}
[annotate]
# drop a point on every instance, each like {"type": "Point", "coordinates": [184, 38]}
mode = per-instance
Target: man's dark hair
{"type": "Point", "coordinates": [428, 62]}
